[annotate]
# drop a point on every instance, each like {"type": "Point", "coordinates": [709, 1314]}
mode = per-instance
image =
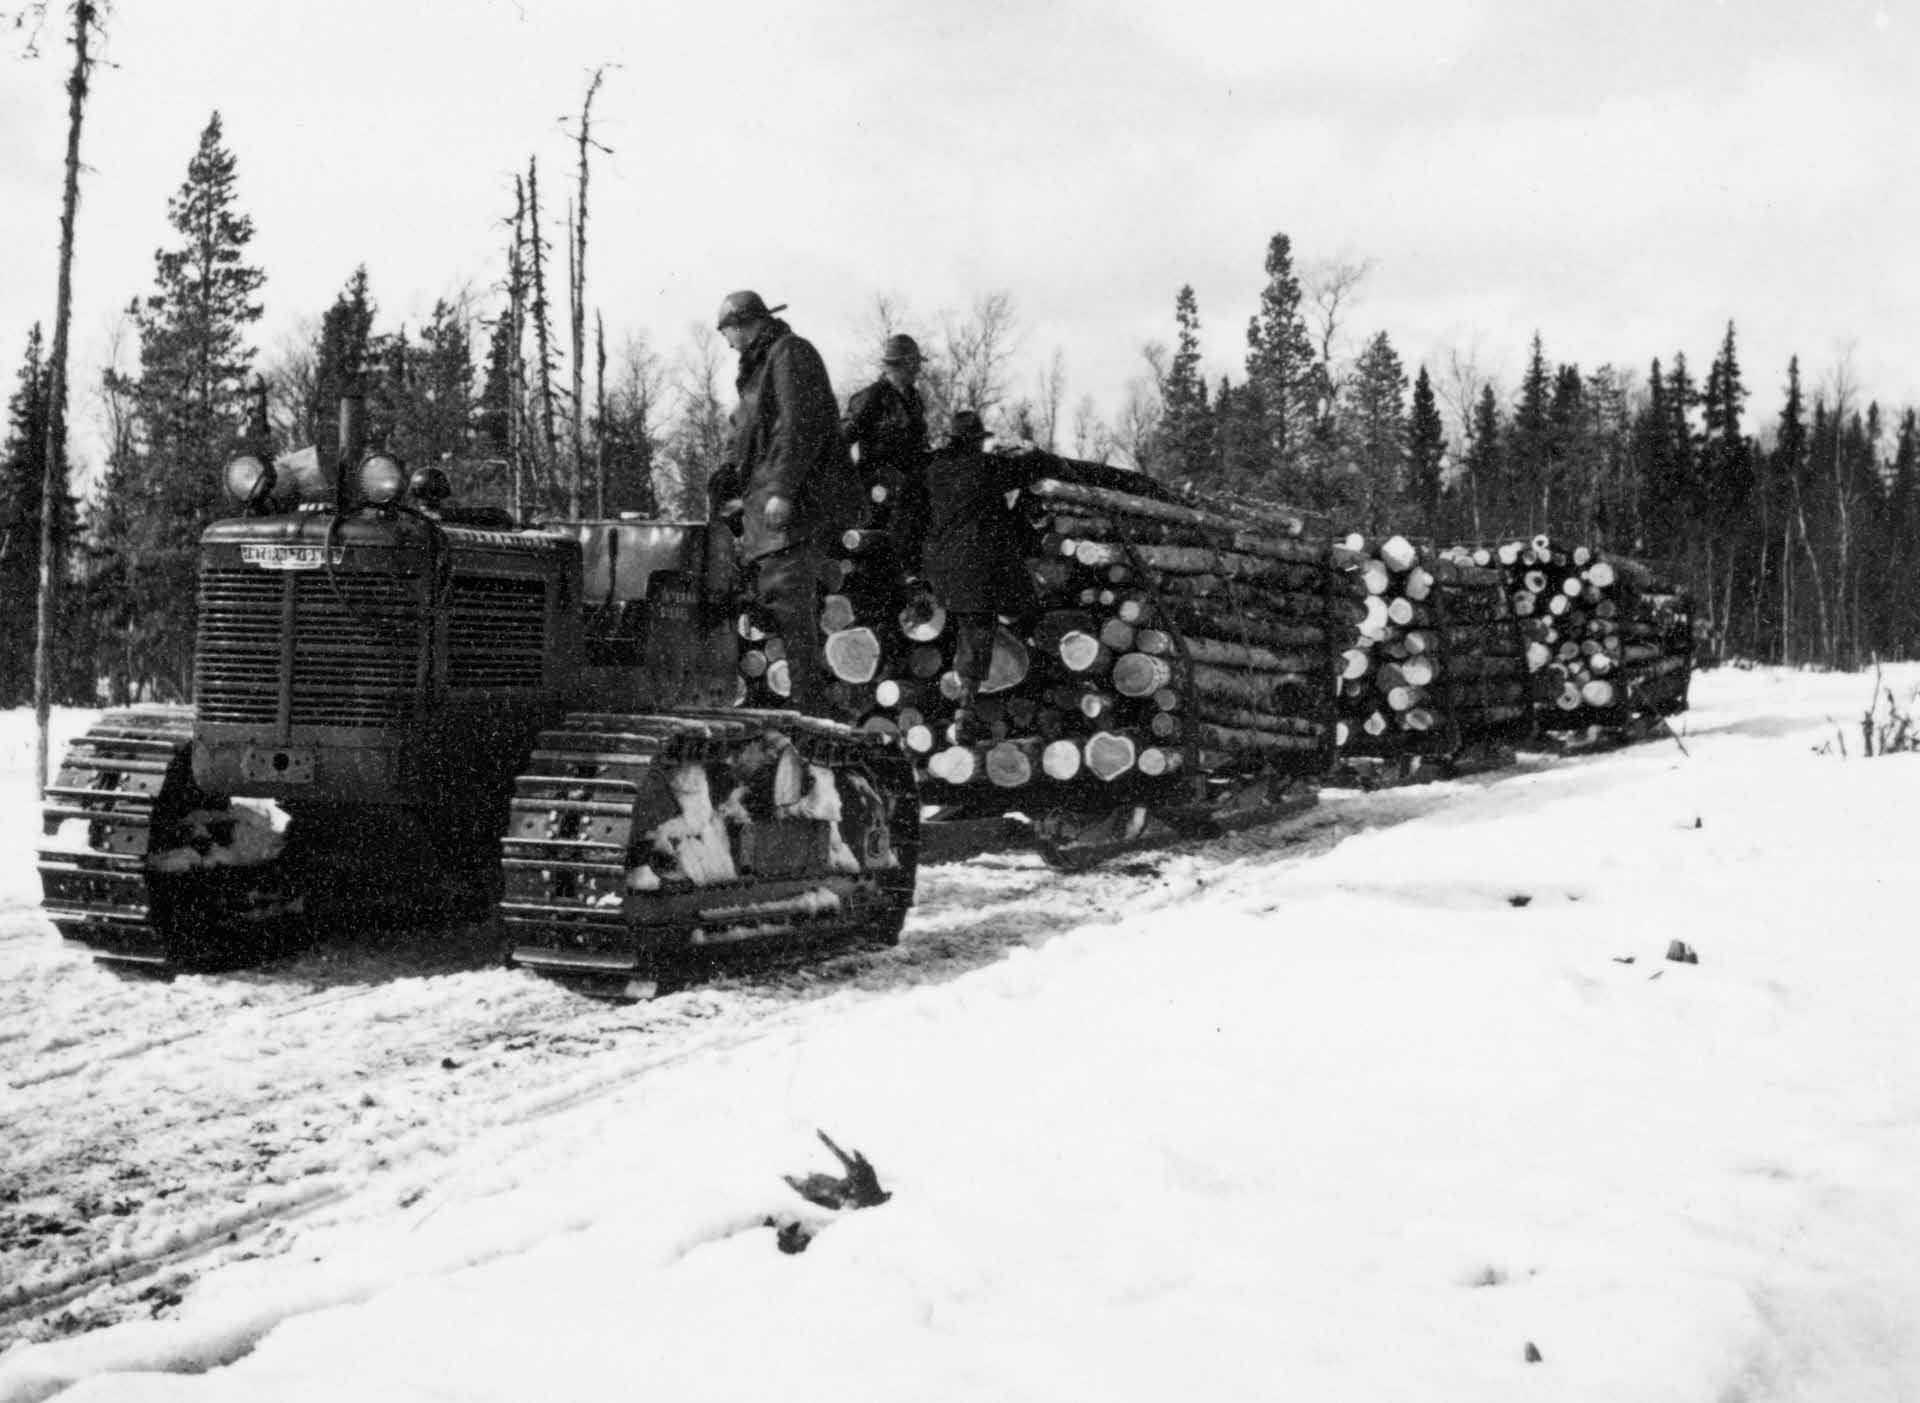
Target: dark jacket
{"type": "Point", "coordinates": [786, 443]}
{"type": "Point", "coordinates": [889, 427]}
{"type": "Point", "coordinates": [976, 545]}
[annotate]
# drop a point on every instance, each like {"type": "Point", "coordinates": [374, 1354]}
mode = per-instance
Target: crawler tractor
{"type": "Point", "coordinates": [406, 711]}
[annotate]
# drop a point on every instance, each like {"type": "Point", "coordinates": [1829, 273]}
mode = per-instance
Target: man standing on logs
{"type": "Point", "coordinates": [886, 430]}
{"type": "Point", "coordinates": [789, 470]}
{"type": "Point", "coordinates": [975, 554]}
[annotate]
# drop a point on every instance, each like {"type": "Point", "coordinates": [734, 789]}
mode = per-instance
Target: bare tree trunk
{"type": "Point", "coordinates": [1819, 589]}
{"type": "Point", "coordinates": [600, 412]}
{"type": "Point", "coordinates": [576, 345]}
{"type": "Point", "coordinates": [577, 289]}
{"type": "Point", "coordinates": [542, 331]}
{"type": "Point", "coordinates": [54, 480]}
{"type": "Point", "coordinates": [516, 366]}
{"type": "Point", "coordinates": [1786, 593]}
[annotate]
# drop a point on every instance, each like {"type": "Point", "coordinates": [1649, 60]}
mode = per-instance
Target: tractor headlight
{"type": "Point", "coordinates": [380, 479]}
{"type": "Point", "coordinates": [248, 479]}
{"type": "Point", "coordinates": [430, 486]}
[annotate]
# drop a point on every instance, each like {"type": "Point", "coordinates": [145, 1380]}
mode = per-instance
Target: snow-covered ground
{"type": "Point", "coordinates": [1362, 1106]}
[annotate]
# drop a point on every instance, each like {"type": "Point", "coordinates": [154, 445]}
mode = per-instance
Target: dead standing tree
{"type": "Point", "coordinates": [577, 296]}
{"type": "Point", "coordinates": [600, 414]}
{"type": "Point", "coordinates": [542, 337]}
{"type": "Point", "coordinates": [514, 409]}
{"type": "Point", "coordinates": [88, 19]}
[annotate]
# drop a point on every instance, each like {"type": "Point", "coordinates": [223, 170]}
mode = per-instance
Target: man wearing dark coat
{"type": "Point", "coordinates": [974, 556]}
{"type": "Point", "coordinates": [789, 470]}
{"type": "Point", "coordinates": [886, 430]}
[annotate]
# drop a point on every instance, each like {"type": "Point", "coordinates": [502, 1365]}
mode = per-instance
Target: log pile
{"type": "Point", "coordinates": [1435, 660]}
{"type": "Point", "coordinates": [1605, 639]}
{"type": "Point", "coordinates": [1183, 635]}
{"type": "Point", "coordinates": [1171, 638]}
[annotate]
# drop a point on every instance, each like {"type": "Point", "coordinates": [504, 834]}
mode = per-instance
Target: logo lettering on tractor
{"type": "Point", "coordinates": [290, 557]}
{"type": "Point", "coordinates": [672, 597]}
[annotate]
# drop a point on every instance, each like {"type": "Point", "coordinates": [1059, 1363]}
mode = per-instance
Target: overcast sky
{"type": "Point", "coordinates": [1623, 177]}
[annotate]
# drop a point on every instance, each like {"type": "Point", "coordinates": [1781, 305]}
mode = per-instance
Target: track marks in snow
{"type": "Point", "coordinates": [240, 1115]}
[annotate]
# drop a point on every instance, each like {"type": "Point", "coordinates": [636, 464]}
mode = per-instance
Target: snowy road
{"type": "Point", "coordinates": [1383, 1102]}
{"type": "Point", "coordinates": [156, 1129]}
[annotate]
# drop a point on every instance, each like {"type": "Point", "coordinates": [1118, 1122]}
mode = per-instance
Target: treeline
{"type": "Point", "coordinates": [1795, 536]}
{"type": "Point", "coordinates": [527, 407]}
{"type": "Point", "coordinates": [1796, 530]}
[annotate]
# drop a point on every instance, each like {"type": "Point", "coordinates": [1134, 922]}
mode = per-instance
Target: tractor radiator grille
{"type": "Point", "coordinates": [236, 662]}
{"type": "Point", "coordinates": [496, 632]}
{"type": "Point", "coordinates": [356, 647]}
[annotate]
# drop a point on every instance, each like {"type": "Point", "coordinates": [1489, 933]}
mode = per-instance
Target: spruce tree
{"type": "Point", "coordinates": [1238, 434]}
{"type": "Point", "coordinates": [435, 409]}
{"type": "Point", "coordinates": [190, 402]}
{"type": "Point", "coordinates": [1378, 432]}
{"type": "Point", "coordinates": [1530, 469]}
{"type": "Point", "coordinates": [1568, 494]}
{"type": "Point", "coordinates": [1426, 452]}
{"type": "Point", "coordinates": [1281, 373]}
{"type": "Point", "coordinates": [1486, 466]}
{"type": "Point", "coordinates": [1725, 492]}
{"type": "Point", "coordinates": [1186, 425]}
{"type": "Point", "coordinates": [22, 486]}
{"type": "Point", "coordinates": [1788, 466]}
{"type": "Point", "coordinates": [497, 391]}
{"type": "Point", "coordinates": [343, 355]}
{"type": "Point", "coordinates": [1682, 398]}
{"type": "Point", "coordinates": [1653, 461]}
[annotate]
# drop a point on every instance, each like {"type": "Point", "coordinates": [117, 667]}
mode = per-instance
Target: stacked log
{"type": "Point", "coordinates": [1488, 693]}
{"type": "Point", "coordinates": [1606, 640]}
{"type": "Point", "coordinates": [1182, 635]}
{"type": "Point", "coordinates": [1435, 659]}
{"type": "Point", "coordinates": [1390, 668]}
{"type": "Point", "coordinates": [1170, 637]}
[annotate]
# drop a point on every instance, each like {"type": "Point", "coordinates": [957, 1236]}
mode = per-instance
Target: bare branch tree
{"type": "Point", "coordinates": [887, 315]}
{"type": "Point", "coordinates": [977, 354]}
{"type": "Point", "coordinates": [292, 373]}
{"type": "Point", "coordinates": [697, 438]}
{"type": "Point", "coordinates": [1330, 285]}
{"type": "Point", "coordinates": [1136, 433]}
{"type": "Point", "coordinates": [1051, 394]}
{"type": "Point", "coordinates": [1089, 434]}
{"type": "Point", "coordinates": [1459, 388]}
{"type": "Point", "coordinates": [114, 392]}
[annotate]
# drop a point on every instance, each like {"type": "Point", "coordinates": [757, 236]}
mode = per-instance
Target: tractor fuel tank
{"type": "Point", "coordinates": [659, 615]}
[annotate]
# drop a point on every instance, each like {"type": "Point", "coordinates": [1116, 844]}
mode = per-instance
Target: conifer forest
{"type": "Point", "coordinates": [1783, 497]}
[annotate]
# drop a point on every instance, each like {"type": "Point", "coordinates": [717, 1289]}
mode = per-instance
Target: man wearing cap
{"type": "Point", "coordinates": [886, 430]}
{"type": "Point", "coordinates": [789, 469]}
{"type": "Point", "coordinates": [975, 553]}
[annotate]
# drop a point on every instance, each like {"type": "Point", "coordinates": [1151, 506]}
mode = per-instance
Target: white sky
{"type": "Point", "coordinates": [1624, 178]}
